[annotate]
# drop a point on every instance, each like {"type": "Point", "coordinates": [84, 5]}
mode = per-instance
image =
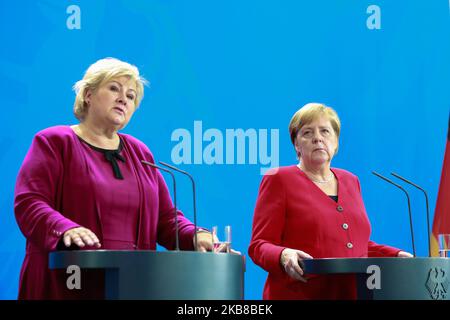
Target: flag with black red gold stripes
{"type": "Point", "coordinates": [441, 223]}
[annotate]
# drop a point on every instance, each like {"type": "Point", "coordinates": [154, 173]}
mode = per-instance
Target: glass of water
{"type": "Point", "coordinates": [221, 242]}
{"type": "Point", "coordinates": [444, 243]}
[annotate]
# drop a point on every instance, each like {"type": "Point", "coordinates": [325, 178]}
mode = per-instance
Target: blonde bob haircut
{"type": "Point", "coordinates": [309, 113]}
{"type": "Point", "coordinates": [101, 72]}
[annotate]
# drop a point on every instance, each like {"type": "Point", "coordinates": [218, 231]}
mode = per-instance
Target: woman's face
{"type": "Point", "coordinates": [316, 142]}
{"type": "Point", "coordinates": [113, 103]}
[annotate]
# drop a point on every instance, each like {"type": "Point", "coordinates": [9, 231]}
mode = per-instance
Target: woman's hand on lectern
{"type": "Point", "coordinates": [404, 254]}
{"type": "Point", "coordinates": [205, 243]}
{"type": "Point", "coordinates": [291, 260]}
{"type": "Point", "coordinates": [81, 237]}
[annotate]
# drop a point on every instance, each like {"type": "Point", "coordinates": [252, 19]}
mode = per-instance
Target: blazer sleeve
{"type": "Point", "coordinates": [380, 250]}
{"type": "Point", "coordinates": [35, 195]}
{"type": "Point", "coordinates": [268, 224]}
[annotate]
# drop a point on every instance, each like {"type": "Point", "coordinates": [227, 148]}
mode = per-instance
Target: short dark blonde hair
{"type": "Point", "coordinates": [310, 112]}
{"type": "Point", "coordinates": [101, 72]}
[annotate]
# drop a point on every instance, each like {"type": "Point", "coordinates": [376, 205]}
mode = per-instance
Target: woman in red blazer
{"type": "Point", "coordinates": [311, 210]}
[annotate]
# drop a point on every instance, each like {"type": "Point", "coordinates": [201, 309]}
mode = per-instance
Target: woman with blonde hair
{"type": "Point", "coordinates": [84, 187]}
{"type": "Point", "coordinates": [311, 210]}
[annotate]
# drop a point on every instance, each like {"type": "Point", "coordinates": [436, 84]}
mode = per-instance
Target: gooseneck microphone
{"type": "Point", "coordinates": [193, 194]}
{"type": "Point", "coordinates": [409, 207]}
{"type": "Point", "coordinates": [426, 202]}
{"type": "Point", "coordinates": [177, 242]}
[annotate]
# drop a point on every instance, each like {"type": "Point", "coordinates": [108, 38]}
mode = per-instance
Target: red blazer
{"type": "Point", "coordinates": [292, 212]}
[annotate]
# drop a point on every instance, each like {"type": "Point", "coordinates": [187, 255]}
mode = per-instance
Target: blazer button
{"type": "Point", "coordinates": [349, 245]}
{"type": "Point", "coordinates": [345, 226]}
{"type": "Point", "coordinates": [339, 208]}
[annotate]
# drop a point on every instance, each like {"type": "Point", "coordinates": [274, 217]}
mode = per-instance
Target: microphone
{"type": "Point", "coordinates": [409, 207]}
{"type": "Point", "coordinates": [426, 202]}
{"type": "Point", "coordinates": [193, 194]}
{"type": "Point", "coordinates": [177, 242]}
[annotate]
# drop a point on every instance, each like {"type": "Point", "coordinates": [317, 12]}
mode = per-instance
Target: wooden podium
{"type": "Point", "coordinates": [399, 278]}
{"type": "Point", "coordinates": [171, 275]}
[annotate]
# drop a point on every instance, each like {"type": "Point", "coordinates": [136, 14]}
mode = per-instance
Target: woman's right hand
{"type": "Point", "coordinates": [81, 237]}
{"type": "Point", "coordinates": [291, 260]}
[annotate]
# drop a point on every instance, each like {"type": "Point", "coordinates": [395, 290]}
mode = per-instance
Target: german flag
{"type": "Point", "coordinates": [441, 222]}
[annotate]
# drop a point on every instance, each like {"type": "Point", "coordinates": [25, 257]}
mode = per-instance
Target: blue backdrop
{"type": "Point", "coordinates": [229, 65]}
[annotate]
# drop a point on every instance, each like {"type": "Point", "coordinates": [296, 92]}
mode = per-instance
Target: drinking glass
{"type": "Point", "coordinates": [221, 242]}
{"type": "Point", "coordinates": [444, 242]}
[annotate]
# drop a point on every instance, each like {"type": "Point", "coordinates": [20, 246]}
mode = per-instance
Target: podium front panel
{"type": "Point", "coordinates": [174, 275]}
{"type": "Point", "coordinates": [399, 278]}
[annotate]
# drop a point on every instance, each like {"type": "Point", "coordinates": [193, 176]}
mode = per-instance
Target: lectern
{"type": "Point", "coordinates": [160, 275]}
{"type": "Point", "coordinates": [391, 278]}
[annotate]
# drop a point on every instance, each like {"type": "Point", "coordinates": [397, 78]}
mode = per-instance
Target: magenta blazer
{"type": "Point", "coordinates": [56, 190]}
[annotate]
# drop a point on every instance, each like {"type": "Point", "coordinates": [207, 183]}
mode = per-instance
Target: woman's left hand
{"type": "Point", "coordinates": [404, 254]}
{"type": "Point", "coordinates": [205, 242]}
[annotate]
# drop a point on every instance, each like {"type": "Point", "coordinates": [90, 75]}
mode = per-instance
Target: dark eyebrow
{"type": "Point", "coordinates": [122, 86]}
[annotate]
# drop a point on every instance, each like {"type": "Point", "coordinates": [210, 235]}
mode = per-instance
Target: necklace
{"type": "Point", "coordinates": [318, 181]}
{"type": "Point", "coordinates": [322, 181]}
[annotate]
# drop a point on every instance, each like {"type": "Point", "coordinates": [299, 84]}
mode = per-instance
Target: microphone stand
{"type": "Point", "coordinates": [177, 242]}
{"type": "Point", "coordinates": [193, 193]}
{"type": "Point", "coordinates": [409, 207]}
{"type": "Point", "coordinates": [426, 202]}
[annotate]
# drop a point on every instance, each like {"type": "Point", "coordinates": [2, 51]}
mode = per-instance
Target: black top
{"type": "Point", "coordinates": [112, 156]}
{"type": "Point", "coordinates": [335, 198]}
